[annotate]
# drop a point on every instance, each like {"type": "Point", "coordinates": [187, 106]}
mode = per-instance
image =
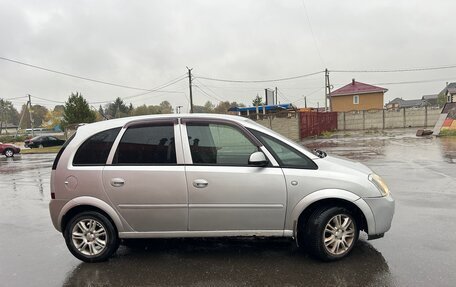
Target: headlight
{"type": "Point", "coordinates": [379, 183]}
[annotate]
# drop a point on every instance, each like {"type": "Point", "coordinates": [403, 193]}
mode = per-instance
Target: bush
{"type": "Point", "coordinates": [11, 138]}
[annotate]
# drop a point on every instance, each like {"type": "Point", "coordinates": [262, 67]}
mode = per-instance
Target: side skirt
{"type": "Point", "coordinates": [218, 233]}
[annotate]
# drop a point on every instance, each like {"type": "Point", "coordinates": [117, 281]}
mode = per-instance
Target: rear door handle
{"type": "Point", "coordinates": [200, 183]}
{"type": "Point", "coordinates": [117, 182]}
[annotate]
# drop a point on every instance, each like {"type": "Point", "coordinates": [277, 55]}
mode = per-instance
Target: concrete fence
{"type": "Point", "coordinates": [387, 119]}
{"type": "Point", "coordinates": [284, 123]}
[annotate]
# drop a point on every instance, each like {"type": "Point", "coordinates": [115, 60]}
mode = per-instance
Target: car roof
{"type": "Point", "coordinates": [93, 127]}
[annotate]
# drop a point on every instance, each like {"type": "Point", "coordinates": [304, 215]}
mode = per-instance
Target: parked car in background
{"type": "Point", "coordinates": [43, 141]}
{"type": "Point", "coordinates": [9, 150]}
{"type": "Point", "coordinates": [203, 175]}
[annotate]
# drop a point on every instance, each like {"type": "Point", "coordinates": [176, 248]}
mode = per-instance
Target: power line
{"type": "Point", "coordinates": [215, 94]}
{"type": "Point", "coordinates": [416, 82]}
{"type": "Point", "coordinates": [311, 31]}
{"type": "Point", "coordinates": [395, 70]}
{"type": "Point", "coordinates": [309, 94]}
{"type": "Point", "coordinates": [72, 75]}
{"type": "Point", "coordinates": [283, 95]}
{"type": "Point", "coordinates": [212, 97]}
{"type": "Point", "coordinates": [148, 91]}
{"type": "Point", "coordinates": [15, 98]}
{"type": "Point", "coordinates": [48, 100]}
{"type": "Point", "coordinates": [259, 81]}
{"type": "Point", "coordinates": [158, 89]}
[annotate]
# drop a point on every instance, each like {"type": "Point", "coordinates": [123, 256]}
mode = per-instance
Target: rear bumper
{"type": "Point", "coordinates": [383, 211]}
{"type": "Point", "coordinates": [55, 207]}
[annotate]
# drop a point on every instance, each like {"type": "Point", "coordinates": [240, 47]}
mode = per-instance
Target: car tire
{"type": "Point", "coordinates": [331, 233]}
{"type": "Point", "coordinates": [9, 152]}
{"type": "Point", "coordinates": [40, 146]}
{"type": "Point", "coordinates": [91, 237]}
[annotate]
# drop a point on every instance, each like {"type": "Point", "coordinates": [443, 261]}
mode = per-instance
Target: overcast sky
{"type": "Point", "coordinates": [148, 43]}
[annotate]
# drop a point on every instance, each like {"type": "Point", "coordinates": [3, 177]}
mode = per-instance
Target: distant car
{"type": "Point", "coordinates": [9, 149]}
{"type": "Point", "coordinates": [43, 141]}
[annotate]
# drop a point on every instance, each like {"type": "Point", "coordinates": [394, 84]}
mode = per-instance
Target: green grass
{"type": "Point", "coordinates": [52, 149]}
{"type": "Point", "coordinates": [326, 134]}
{"type": "Point", "coordinates": [447, 133]}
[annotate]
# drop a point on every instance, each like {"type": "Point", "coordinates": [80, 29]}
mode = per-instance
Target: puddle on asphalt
{"type": "Point", "coordinates": [365, 148]}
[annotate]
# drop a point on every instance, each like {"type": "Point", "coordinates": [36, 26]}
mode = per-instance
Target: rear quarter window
{"type": "Point", "coordinates": [95, 150]}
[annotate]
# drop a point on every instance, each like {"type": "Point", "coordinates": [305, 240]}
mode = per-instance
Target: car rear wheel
{"type": "Point", "coordinates": [91, 237]}
{"type": "Point", "coordinates": [40, 146]}
{"type": "Point", "coordinates": [331, 233]}
{"type": "Point", "coordinates": [9, 153]}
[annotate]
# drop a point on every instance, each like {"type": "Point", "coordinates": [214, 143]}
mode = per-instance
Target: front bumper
{"type": "Point", "coordinates": [383, 211]}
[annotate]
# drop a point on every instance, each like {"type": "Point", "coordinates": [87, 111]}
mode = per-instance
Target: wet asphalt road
{"type": "Point", "coordinates": [419, 250]}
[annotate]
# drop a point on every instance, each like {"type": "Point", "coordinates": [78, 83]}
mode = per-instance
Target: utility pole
{"type": "Point", "coordinates": [276, 97]}
{"type": "Point", "coordinates": [30, 113]}
{"type": "Point", "coordinates": [327, 92]}
{"type": "Point", "coordinates": [190, 88]}
{"type": "Point", "coordinates": [305, 102]}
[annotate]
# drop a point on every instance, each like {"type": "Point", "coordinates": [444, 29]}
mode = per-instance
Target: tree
{"type": "Point", "coordinates": [163, 108]}
{"type": "Point", "coordinates": [117, 109]}
{"type": "Point", "coordinates": [77, 111]}
{"type": "Point", "coordinates": [54, 117]}
{"type": "Point", "coordinates": [207, 108]}
{"type": "Point", "coordinates": [25, 116]}
{"type": "Point", "coordinates": [38, 114]}
{"type": "Point", "coordinates": [442, 99]}
{"type": "Point", "coordinates": [59, 108]}
{"type": "Point", "coordinates": [223, 107]}
{"type": "Point", "coordinates": [8, 114]}
{"type": "Point", "coordinates": [258, 101]}
{"type": "Point", "coordinates": [166, 108]}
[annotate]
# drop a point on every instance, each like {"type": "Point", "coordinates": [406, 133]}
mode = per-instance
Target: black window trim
{"type": "Point", "coordinates": [244, 131]}
{"type": "Point", "coordinates": [276, 157]}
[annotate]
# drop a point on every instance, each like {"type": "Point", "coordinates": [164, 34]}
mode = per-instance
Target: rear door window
{"type": "Point", "coordinates": [152, 144]}
{"type": "Point", "coordinates": [95, 150]}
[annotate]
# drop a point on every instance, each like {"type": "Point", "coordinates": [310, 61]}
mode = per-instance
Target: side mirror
{"type": "Point", "coordinates": [258, 159]}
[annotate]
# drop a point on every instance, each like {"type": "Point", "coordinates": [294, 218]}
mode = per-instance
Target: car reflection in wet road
{"type": "Point", "coordinates": [418, 250]}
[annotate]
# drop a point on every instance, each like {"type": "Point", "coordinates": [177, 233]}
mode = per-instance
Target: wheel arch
{"type": "Point", "coordinates": [87, 203]}
{"type": "Point", "coordinates": [333, 197]}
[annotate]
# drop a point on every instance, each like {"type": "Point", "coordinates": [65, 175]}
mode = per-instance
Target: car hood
{"type": "Point", "coordinates": [334, 162]}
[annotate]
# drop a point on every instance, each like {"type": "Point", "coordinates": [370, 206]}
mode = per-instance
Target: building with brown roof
{"type": "Point", "coordinates": [357, 96]}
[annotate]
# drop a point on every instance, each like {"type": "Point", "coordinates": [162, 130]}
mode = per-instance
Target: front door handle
{"type": "Point", "coordinates": [117, 182]}
{"type": "Point", "coordinates": [200, 183]}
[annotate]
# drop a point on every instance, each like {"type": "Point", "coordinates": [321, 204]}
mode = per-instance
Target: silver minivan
{"type": "Point", "coordinates": [199, 175]}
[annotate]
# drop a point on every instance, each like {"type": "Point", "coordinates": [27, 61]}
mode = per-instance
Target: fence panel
{"type": "Point", "coordinates": [314, 123]}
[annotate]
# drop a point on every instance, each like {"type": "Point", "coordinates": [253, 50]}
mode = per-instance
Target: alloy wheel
{"type": "Point", "coordinates": [89, 237]}
{"type": "Point", "coordinates": [339, 234]}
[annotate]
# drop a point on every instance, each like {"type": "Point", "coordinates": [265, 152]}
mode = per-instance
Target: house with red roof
{"type": "Point", "coordinates": [357, 96]}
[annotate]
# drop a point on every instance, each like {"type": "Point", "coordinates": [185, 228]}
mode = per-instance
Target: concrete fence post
{"type": "Point", "coordinates": [383, 118]}
{"type": "Point", "coordinates": [344, 121]}
{"type": "Point", "coordinates": [364, 119]}
{"type": "Point", "coordinates": [425, 116]}
{"type": "Point", "coordinates": [403, 109]}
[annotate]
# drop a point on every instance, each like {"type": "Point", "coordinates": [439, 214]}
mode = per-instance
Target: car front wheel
{"type": "Point", "coordinates": [9, 153]}
{"type": "Point", "coordinates": [331, 233]}
{"type": "Point", "coordinates": [91, 237]}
